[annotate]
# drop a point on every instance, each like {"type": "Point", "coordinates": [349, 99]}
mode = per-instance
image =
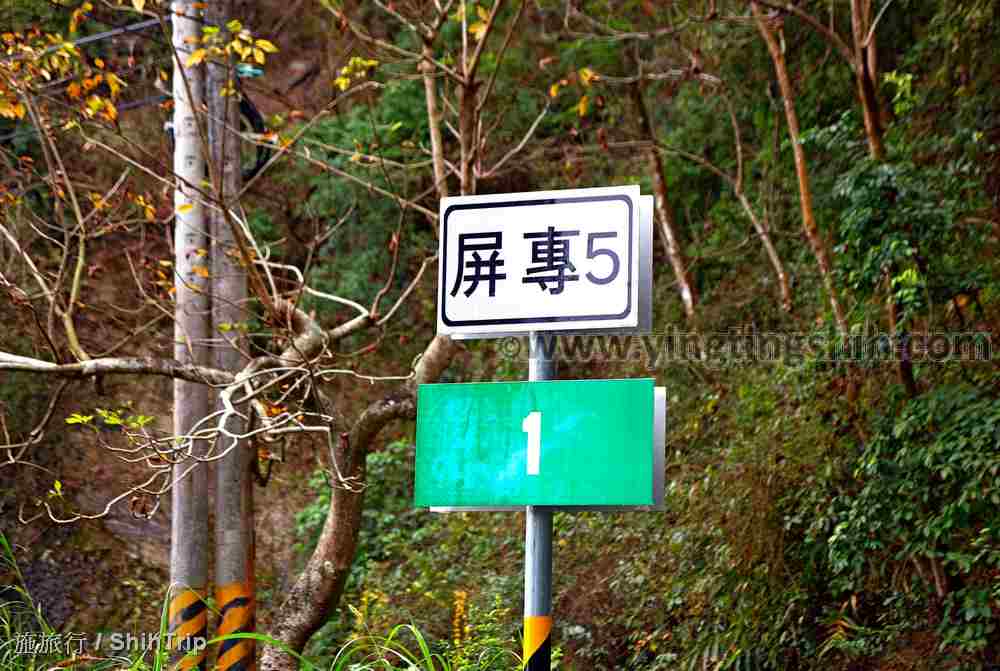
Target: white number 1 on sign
{"type": "Point", "coordinates": [532, 425]}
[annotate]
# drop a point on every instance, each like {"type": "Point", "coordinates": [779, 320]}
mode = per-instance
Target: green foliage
{"type": "Point", "coordinates": [373, 652]}
{"type": "Point", "coordinates": [482, 641]}
{"type": "Point", "coordinates": [115, 418]}
{"type": "Point", "coordinates": [929, 495]}
{"type": "Point", "coordinates": [25, 634]}
{"type": "Point", "coordinates": [20, 618]}
{"type": "Point", "coordinates": [309, 520]}
{"type": "Point", "coordinates": [417, 562]}
{"type": "Point", "coordinates": [47, 16]}
{"type": "Point", "coordinates": [895, 228]}
{"type": "Point", "coordinates": [355, 261]}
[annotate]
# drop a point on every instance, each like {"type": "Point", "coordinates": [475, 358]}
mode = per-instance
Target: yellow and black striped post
{"type": "Point", "coordinates": [236, 612]}
{"type": "Point", "coordinates": [537, 642]}
{"type": "Point", "coordinates": [538, 549]}
{"type": "Point", "coordinates": [187, 619]}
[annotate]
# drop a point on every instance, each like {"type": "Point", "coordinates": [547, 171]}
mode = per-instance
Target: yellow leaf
{"type": "Point", "coordinates": [197, 56]}
{"type": "Point", "coordinates": [583, 106]}
{"type": "Point", "coordinates": [554, 90]}
{"type": "Point", "coordinates": [114, 85]}
{"type": "Point", "coordinates": [587, 75]}
{"type": "Point", "coordinates": [258, 55]}
{"type": "Point", "coordinates": [185, 208]}
{"type": "Point", "coordinates": [200, 271]}
{"type": "Point", "coordinates": [483, 14]}
{"type": "Point", "coordinates": [139, 5]}
{"type": "Point", "coordinates": [478, 30]}
{"type": "Point", "coordinates": [267, 46]}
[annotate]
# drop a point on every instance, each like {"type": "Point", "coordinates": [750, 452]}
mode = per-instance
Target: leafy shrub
{"type": "Point", "coordinates": [927, 495]}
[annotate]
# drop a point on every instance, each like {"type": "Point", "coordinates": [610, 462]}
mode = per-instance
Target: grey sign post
{"type": "Point", "coordinates": [538, 547]}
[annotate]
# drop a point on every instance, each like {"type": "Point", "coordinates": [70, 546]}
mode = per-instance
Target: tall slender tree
{"type": "Point", "coordinates": [768, 31]}
{"type": "Point", "coordinates": [667, 227]}
{"type": "Point", "coordinates": [189, 522]}
{"type": "Point", "coordinates": [234, 520]}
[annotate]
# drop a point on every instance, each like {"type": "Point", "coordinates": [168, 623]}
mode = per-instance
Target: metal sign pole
{"type": "Point", "coordinates": [538, 547]}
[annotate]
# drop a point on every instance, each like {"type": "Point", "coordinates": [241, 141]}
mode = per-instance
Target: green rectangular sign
{"type": "Point", "coordinates": [558, 443]}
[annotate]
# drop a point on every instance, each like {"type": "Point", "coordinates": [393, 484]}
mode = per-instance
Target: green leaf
{"type": "Point", "coordinates": [77, 418]}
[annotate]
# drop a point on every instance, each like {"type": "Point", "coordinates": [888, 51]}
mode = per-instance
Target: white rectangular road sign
{"type": "Point", "coordinates": [540, 261]}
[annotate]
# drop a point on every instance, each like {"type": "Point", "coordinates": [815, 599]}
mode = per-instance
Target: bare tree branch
{"type": "Point", "coordinates": [117, 366]}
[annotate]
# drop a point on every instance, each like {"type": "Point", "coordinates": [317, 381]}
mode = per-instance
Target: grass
{"type": "Point", "coordinates": [23, 627]}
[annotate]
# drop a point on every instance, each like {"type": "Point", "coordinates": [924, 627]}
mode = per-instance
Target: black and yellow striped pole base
{"type": "Point", "coordinates": [187, 619]}
{"type": "Point", "coordinates": [537, 642]}
{"type": "Point", "coordinates": [236, 610]}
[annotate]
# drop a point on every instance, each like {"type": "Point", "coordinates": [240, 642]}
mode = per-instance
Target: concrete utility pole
{"type": "Point", "coordinates": [234, 529]}
{"type": "Point", "coordinates": [189, 496]}
{"type": "Point", "coordinates": [538, 547]}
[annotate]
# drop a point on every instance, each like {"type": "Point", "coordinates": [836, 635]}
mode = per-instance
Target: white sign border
{"type": "Point", "coordinates": [639, 315]}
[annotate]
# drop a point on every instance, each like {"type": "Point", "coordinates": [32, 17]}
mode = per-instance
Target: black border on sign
{"type": "Point", "coordinates": [532, 320]}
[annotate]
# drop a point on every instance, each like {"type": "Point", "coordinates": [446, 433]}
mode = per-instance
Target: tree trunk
{"type": "Point", "coordinates": [318, 588]}
{"type": "Point", "coordinates": [467, 136]}
{"type": "Point", "coordinates": [866, 76]}
{"type": "Point", "coordinates": [816, 241]}
{"type": "Point", "coordinates": [434, 123]}
{"type": "Point", "coordinates": [234, 531]}
{"type": "Point", "coordinates": [664, 213]}
{"type": "Point", "coordinates": [901, 346]}
{"type": "Point", "coordinates": [189, 496]}
{"type": "Point", "coordinates": [784, 286]}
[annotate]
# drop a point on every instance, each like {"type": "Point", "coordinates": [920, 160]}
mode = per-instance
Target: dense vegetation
{"type": "Point", "coordinates": [824, 510]}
